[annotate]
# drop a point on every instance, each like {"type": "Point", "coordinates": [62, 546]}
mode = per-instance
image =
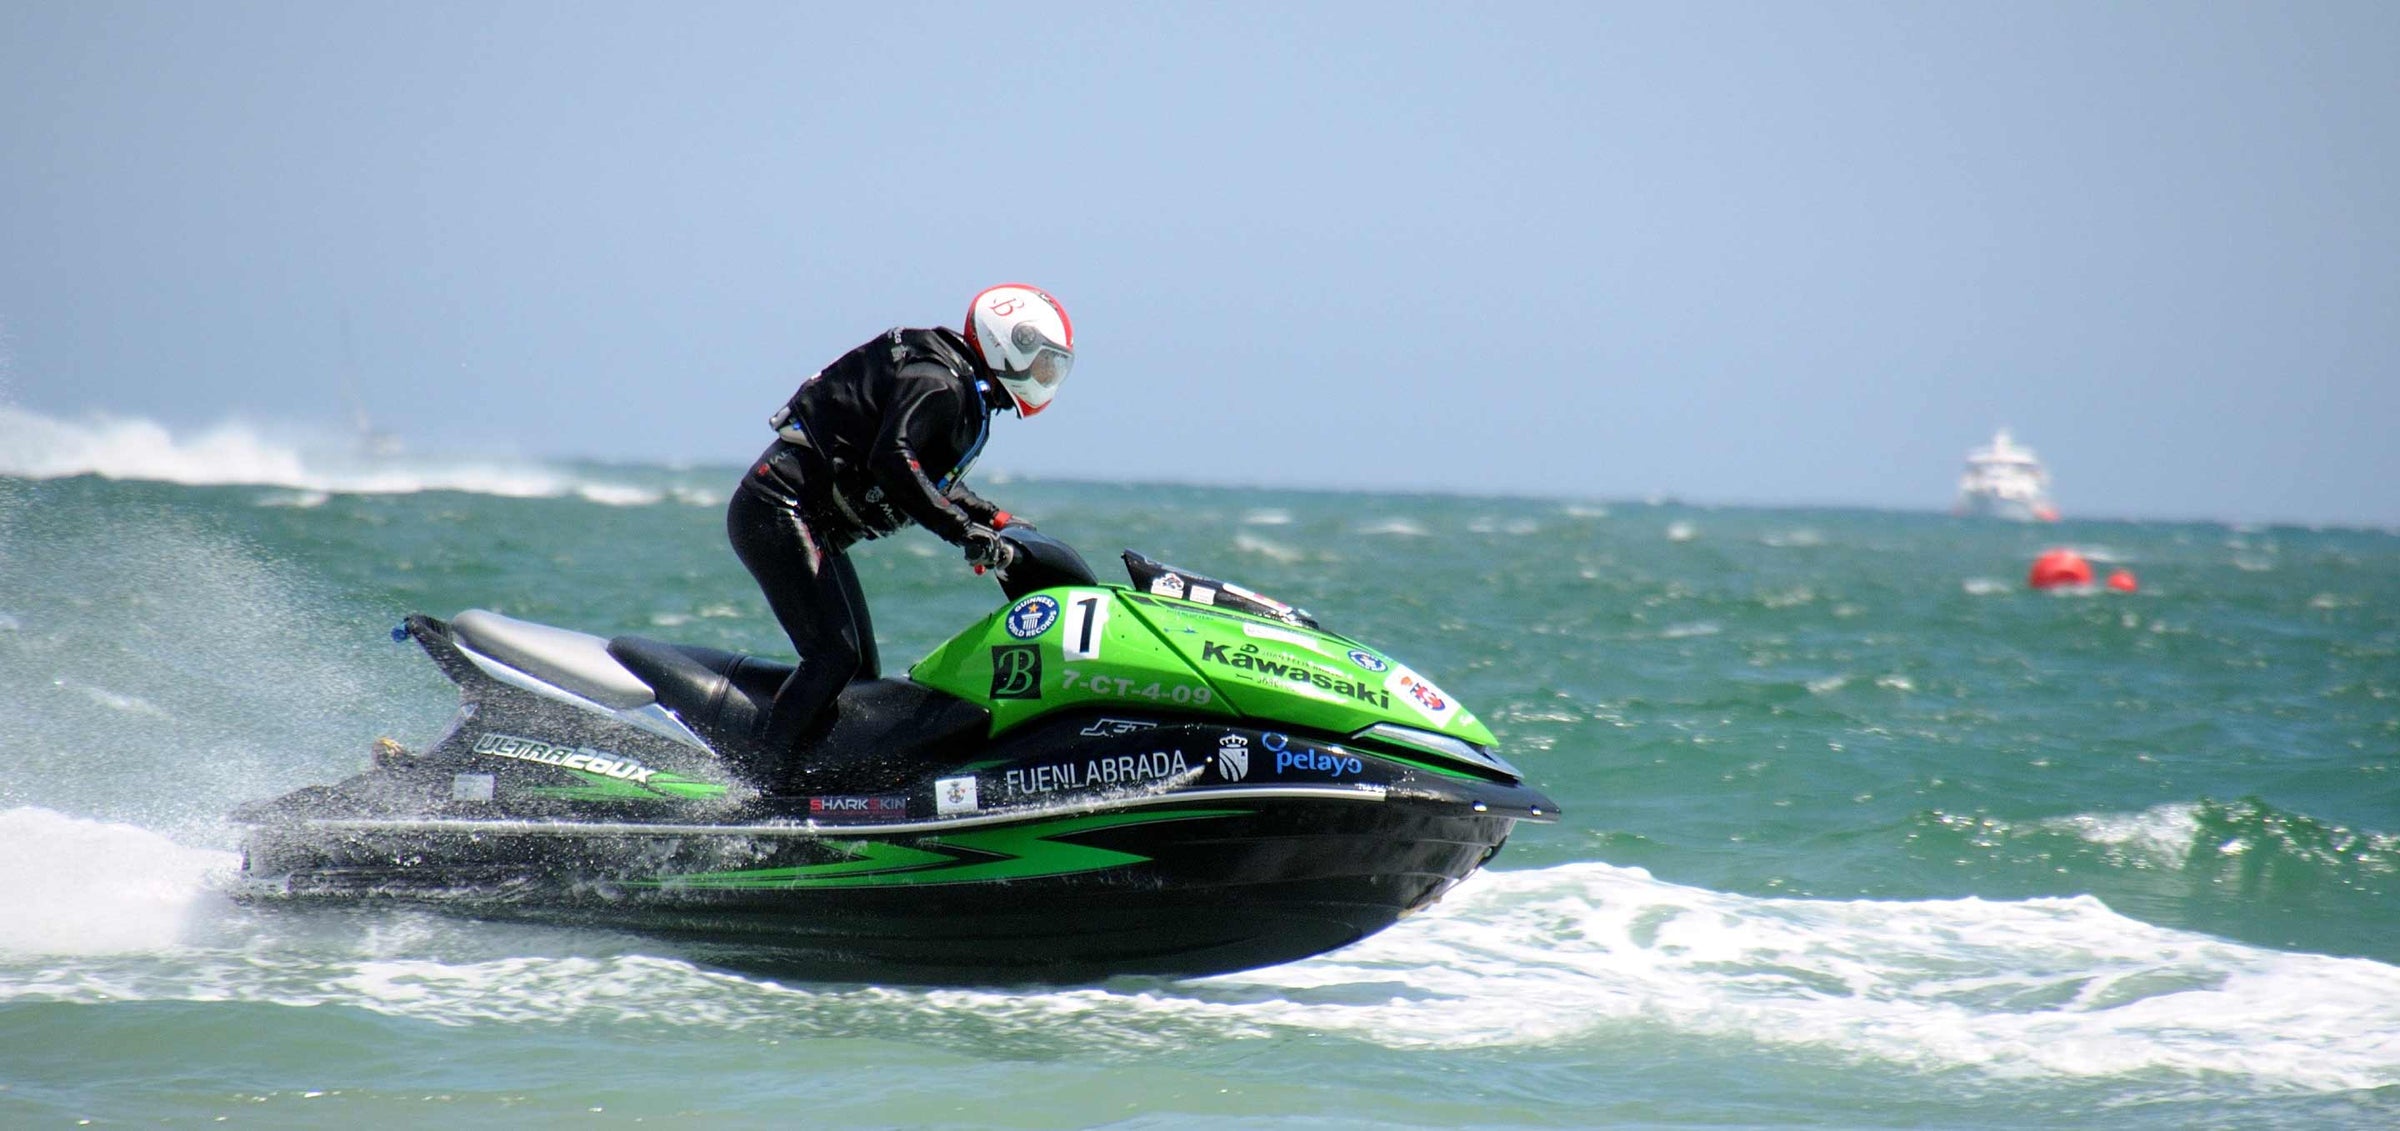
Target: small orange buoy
{"type": "Point", "coordinates": [2122, 581]}
{"type": "Point", "coordinates": [2059, 567]}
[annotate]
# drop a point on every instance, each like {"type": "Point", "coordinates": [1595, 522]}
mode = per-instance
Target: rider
{"type": "Point", "coordinates": [877, 440]}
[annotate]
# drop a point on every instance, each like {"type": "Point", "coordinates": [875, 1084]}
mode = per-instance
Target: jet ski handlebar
{"type": "Point", "coordinates": [1043, 562]}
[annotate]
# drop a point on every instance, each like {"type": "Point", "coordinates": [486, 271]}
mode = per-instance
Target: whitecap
{"type": "Point", "coordinates": [1249, 543]}
{"type": "Point", "coordinates": [1267, 518]}
{"type": "Point", "coordinates": [614, 495]}
{"type": "Point", "coordinates": [235, 453]}
{"type": "Point", "coordinates": [2161, 835]}
{"type": "Point", "coordinates": [1394, 526]}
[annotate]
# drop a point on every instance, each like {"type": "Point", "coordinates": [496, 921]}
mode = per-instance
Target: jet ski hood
{"type": "Point", "coordinates": [1181, 641]}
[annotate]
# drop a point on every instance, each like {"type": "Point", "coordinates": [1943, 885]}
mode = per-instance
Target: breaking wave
{"type": "Point", "coordinates": [34, 446]}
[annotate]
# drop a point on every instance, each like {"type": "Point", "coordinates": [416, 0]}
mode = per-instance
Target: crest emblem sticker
{"type": "Point", "coordinates": [1367, 660]}
{"type": "Point", "coordinates": [1032, 616]}
{"type": "Point", "coordinates": [954, 795]}
{"type": "Point", "coordinates": [1233, 757]}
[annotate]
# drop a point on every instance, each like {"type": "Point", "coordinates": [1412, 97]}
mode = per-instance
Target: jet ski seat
{"type": "Point", "coordinates": [884, 730]}
{"type": "Point", "coordinates": [719, 694]}
{"type": "Point", "coordinates": [576, 661]}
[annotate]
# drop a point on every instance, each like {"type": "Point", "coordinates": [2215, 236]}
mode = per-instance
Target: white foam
{"type": "Point", "coordinates": [2161, 836]}
{"type": "Point", "coordinates": [609, 494]}
{"type": "Point", "coordinates": [1267, 518]}
{"type": "Point", "coordinates": [1399, 527]}
{"type": "Point", "coordinates": [238, 454]}
{"type": "Point", "coordinates": [299, 500]}
{"type": "Point", "coordinates": [1575, 954]}
{"type": "Point", "coordinates": [1250, 543]}
{"type": "Point", "coordinates": [1985, 586]}
{"type": "Point", "coordinates": [2034, 988]}
{"type": "Point", "coordinates": [79, 887]}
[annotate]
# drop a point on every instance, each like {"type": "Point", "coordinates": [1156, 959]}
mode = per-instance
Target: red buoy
{"type": "Point", "coordinates": [2059, 567]}
{"type": "Point", "coordinates": [2122, 581]}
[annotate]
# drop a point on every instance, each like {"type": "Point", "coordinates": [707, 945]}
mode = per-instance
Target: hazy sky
{"type": "Point", "coordinates": [1770, 252]}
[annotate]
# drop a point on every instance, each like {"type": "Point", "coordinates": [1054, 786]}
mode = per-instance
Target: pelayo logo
{"type": "Point", "coordinates": [1032, 616]}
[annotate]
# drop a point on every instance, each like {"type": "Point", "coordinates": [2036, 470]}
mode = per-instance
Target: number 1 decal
{"type": "Point", "coordinates": [1086, 625]}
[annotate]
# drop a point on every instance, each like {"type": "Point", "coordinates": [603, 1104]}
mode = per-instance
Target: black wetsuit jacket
{"type": "Point", "coordinates": [881, 438]}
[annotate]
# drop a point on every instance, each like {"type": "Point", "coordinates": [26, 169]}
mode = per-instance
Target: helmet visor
{"type": "Point", "coordinates": [1050, 366]}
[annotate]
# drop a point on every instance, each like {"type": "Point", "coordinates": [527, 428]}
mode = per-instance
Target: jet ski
{"type": "Point", "coordinates": [1177, 776]}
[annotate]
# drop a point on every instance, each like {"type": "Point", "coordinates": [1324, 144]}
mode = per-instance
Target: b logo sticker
{"type": "Point", "coordinates": [1017, 671]}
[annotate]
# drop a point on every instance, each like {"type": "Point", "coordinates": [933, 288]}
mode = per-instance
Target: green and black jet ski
{"type": "Point", "coordinates": [1173, 777]}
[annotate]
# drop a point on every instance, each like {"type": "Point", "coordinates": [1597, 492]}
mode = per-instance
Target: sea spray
{"type": "Point", "coordinates": [82, 887]}
{"type": "Point", "coordinates": [165, 670]}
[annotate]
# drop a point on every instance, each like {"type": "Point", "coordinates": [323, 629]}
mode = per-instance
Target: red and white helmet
{"type": "Point", "coordinates": [1024, 338]}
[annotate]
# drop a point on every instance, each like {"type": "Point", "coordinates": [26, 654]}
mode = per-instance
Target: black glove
{"type": "Point", "coordinates": [985, 550]}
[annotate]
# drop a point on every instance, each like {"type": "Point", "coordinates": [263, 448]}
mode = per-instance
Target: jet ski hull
{"type": "Point", "coordinates": [1185, 882]}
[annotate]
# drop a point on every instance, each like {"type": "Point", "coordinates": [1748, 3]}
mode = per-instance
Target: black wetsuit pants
{"type": "Point", "coordinates": [811, 585]}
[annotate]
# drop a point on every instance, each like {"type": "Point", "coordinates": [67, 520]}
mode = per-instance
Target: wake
{"type": "Point", "coordinates": [1583, 953]}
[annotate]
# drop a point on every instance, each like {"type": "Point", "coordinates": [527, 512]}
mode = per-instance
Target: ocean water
{"type": "Point", "coordinates": [1859, 831]}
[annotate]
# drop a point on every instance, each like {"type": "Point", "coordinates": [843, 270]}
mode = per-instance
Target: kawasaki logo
{"type": "Point", "coordinates": [1247, 659]}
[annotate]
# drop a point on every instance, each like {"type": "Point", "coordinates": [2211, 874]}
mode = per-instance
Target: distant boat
{"type": "Point", "coordinates": [2005, 481]}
